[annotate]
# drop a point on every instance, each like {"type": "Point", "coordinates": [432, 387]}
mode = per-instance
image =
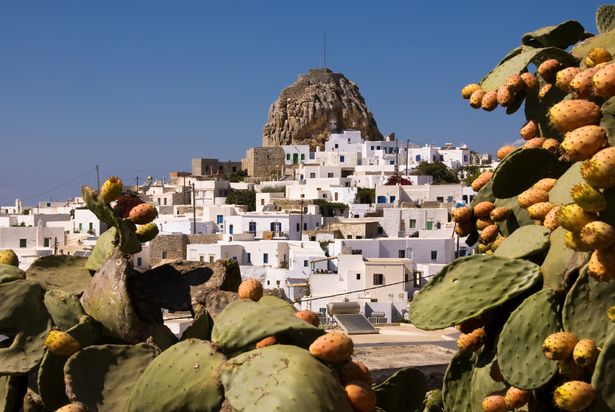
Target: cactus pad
{"type": "Point", "coordinates": [12, 389]}
{"type": "Point", "coordinates": [457, 385]}
{"type": "Point", "coordinates": [563, 35]}
{"type": "Point", "coordinates": [282, 377]}
{"type": "Point", "coordinates": [469, 287]}
{"type": "Point", "coordinates": [523, 242]}
{"type": "Point", "coordinates": [603, 379]}
{"type": "Point", "coordinates": [485, 194]}
{"type": "Point", "coordinates": [520, 356]}
{"type": "Point", "coordinates": [185, 377]}
{"type": "Point", "coordinates": [402, 391]}
{"type": "Point", "coordinates": [103, 249]}
{"type": "Point", "coordinates": [605, 40]}
{"type": "Point", "coordinates": [50, 381]}
{"type": "Point", "coordinates": [64, 308]}
{"type": "Point", "coordinates": [585, 307]}
{"type": "Point", "coordinates": [608, 119]}
{"type": "Point", "coordinates": [9, 273]}
{"type": "Point", "coordinates": [276, 302]}
{"type": "Point", "coordinates": [199, 329]}
{"type": "Point", "coordinates": [561, 261]}
{"type": "Point", "coordinates": [519, 216]}
{"type": "Point", "coordinates": [102, 377]}
{"type": "Point", "coordinates": [243, 323]}
{"type": "Point", "coordinates": [60, 272]}
{"type": "Point", "coordinates": [560, 194]}
{"type": "Point", "coordinates": [605, 18]}
{"type": "Point", "coordinates": [482, 382]}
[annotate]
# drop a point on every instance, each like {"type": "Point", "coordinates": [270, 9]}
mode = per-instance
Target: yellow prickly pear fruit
{"type": "Point", "coordinates": [143, 213]}
{"type": "Point", "coordinates": [461, 214]}
{"type": "Point", "coordinates": [544, 90]}
{"type": "Point", "coordinates": [532, 196]}
{"type": "Point", "coordinates": [573, 241]}
{"type": "Point", "coordinates": [574, 396]}
{"type": "Point", "coordinates": [488, 234]}
{"type": "Point", "coordinates": [529, 130]}
{"type": "Point", "coordinates": [481, 180]}
{"type": "Point", "coordinates": [572, 217]}
{"type": "Point", "coordinates": [335, 347]}
{"type": "Point", "coordinates": [516, 398]}
{"type": "Point", "coordinates": [585, 352]}
{"type": "Point", "coordinates": [530, 82]}
{"type": "Point", "coordinates": [9, 257]}
{"type": "Point", "coordinates": [308, 316]}
{"type": "Point", "coordinates": [111, 190]}
{"type": "Point", "coordinates": [361, 396]}
{"type": "Point", "coordinates": [545, 184]}
{"type": "Point", "coordinates": [472, 341]}
{"type": "Point", "coordinates": [583, 142]}
{"type": "Point", "coordinates": [598, 234]}
{"type": "Point", "coordinates": [505, 151]}
{"type": "Point", "coordinates": [601, 264]}
{"type": "Point", "coordinates": [551, 145]}
{"type": "Point", "coordinates": [564, 77]}
{"type": "Point", "coordinates": [250, 289]}
{"type": "Point", "coordinates": [604, 81]}
{"type": "Point", "coordinates": [61, 343]}
{"type": "Point", "coordinates": [483, 222]}
{"type": "Point", "coordinates": [489, 101]}
{"type": "Point", "coordinates": [500, 213]}
{"type": "Point", "coordinates": [610, 313]}
{"type": "Point", "coordinates": [504, 96]}
{"type": "Point", "coordinates": [482, 209]}
{"type": "Point", "coordinates": [539, 211]}
{"type": "Point", "coordinates": [494, 403]}
{"type": "Point", "coordinates": [581, 85]}
{"type": "Point", "coordinates": [476, 98]}
{"type": "Point", "coordinates": [588, 198]}
{"type": "Point", "coordinates": [467, 90]}
{"type": "Point", "coordinates": [599, 171]}
{"type": "Point", "coordinates": [497, 242]}
{"type": "Point", "coordinates": [534, 143]}
{"type": "Point", "coordinates": [550, 221]}
{"type": "Point", "coordinates": [596, 56]}
{"type": "Point", "coordinates": [355, 371]}
{"type": "Point", "coordinates": [559, 345]}
{"type": "Point", "coordinates": [147, 232]}
{"type": "Point", "coordinates": [568, 115]}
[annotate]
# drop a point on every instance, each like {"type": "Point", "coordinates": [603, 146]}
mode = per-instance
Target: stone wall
{"type": "Point", "coordinates": [173, 247]}
{"type": "Point", "coordinates": [264, 162]}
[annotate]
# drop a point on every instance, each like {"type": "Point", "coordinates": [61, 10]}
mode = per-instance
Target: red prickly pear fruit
{"type": "Point", "coordinates": [529, 130]}
{"type": "Point", "coordinates": [534, 143]}
{"type": "Point", "coordinates": [599, 171]}
{"type": "Point", "coordinates": [9, 257]}
{"type": "Point", "coordinates": [481, 180]}
{"type": "Point", "coordinates": [489, 101]}
{"type": "Point", "coordinates": [568, 115]}
{"type": "Point", "coordinates": [598, 234]}
{"type": "Point", "coordinates": [548, 69]}
{"type": "Point", "coordinates": [550, 221]}
{"type": "Point", "coordinates": [461, 214]}
{"type": "Point", "coordinates": [596, 56]}
{"type": "Point", "coordinates": [483, 222]}
{"type": "Point", "coordinates": [268, 341]}
{"type": "Point", "coordinates": [504, 96]}
{"type": "Point", "coordinates": [569, 369]}
{"type": "Point", "coordinates": [355, 371]}
{"type": "Point", "coordinates": [564, 77]}
{"type": "Point", "coordinates": [604, 81]}
{"type": "Point", "coordinates": [505, 151]}
{"type": "Point", "coordinates": [73, 407]}
{"type": "Point", "coordinates": [516, 398]}
{"type": "Point", "coordinates": [601, 264]}
{"type": "Point", "coordinates": [469, 325]}
{"type": "Point", "coordinates": [147, 232]}
{"type": "Point", "coordinates": [532, 196]}
{"type": "Point", "coordinates": [544, 90]}
{"type": "Point", "coordinates": [530, 82]}
{"type": "Point", "coordinates": [495, 373]}
{"type": "Point", "coordinates": [467, 90]}
{"type": "Point", "coordinates": [572, 217]}
{"type": "Point", "coordinates": [582, 143]}
{"type": "Point", "coordinates": [125, 203]}
{"type": "Point", "coordinates": [308, 316]}
{"type": "Point", "coordinates": [482, 209]}
{"type": "Point", "coordinates": [559, 345]}
{"type": "Point", "coordinates": [361, 396]}
{"type": "Point", "coordinates": [111, 190]}
{"type": "Point", "coordinates": [494, 403]}
{"type": "Point", "coordinates": [61, 343]}
{"type": "Point", "coordinates": [500, 213]}
{"type": "Point", "coordinates": [489, 234]}
{"type": "Point", "coordinates": [476, 98]}
{"type": "Point", "coordinates": [472, 341]}
{"type": "Point", "coordinates": [143, 213]}
{"type": "Point", "coordinates": [551, 145]}
{"type": "Point", "coordinates": [573, 241]}
{"type": "Point", "coordinates": [538, 211]}
{"type": "Point", "coordinates": [585, 352]}
{"type": "Point", "coordinates": [574, 396]}
{"type": "Point", "coordinates": [250, 289]}
{"type": "Point", "coordinates": [463, 229]}
{"type": "Point", "coordinates": [588, 198]}
{"type": "Point", "coordinates": [545, 184]}
{"type": "Point", "coordinates": [334, 347]}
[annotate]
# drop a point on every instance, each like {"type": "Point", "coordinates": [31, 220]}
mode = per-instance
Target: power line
{"type": "Point", "coordinates": [60, 186]}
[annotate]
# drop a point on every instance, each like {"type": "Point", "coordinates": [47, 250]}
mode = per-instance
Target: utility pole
{"type": "Point", "coordinates": [193, 210]}
{"type": "Point", "coordinates": [97, 178]}
{"type": "Point", "coordinates": [301, 220]}
{"type": "Point", "coordinates": [137, 184]}
{"type": "Point", "coordinates": [184, 190]}
{"type": "Point", "coordinates": [407, 154]}
{"type": "Point", "coordinates": [396, 158]}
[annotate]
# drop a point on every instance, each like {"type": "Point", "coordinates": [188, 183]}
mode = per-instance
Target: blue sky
{"type": "Point", "coordinates": [142, 87]}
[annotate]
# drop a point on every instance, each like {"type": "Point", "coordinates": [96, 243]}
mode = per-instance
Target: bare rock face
{"type": "Point", "coordinates": [317, 104]}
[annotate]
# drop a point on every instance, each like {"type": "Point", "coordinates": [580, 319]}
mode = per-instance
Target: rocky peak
{"type": "Point", "coordinates": [317, 104]}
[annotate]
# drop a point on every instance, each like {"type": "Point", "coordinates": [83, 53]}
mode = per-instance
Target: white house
{"type": "Point", "coordinates": [30, 243]}
{"type": "Point", "coordinates": [286, 225]}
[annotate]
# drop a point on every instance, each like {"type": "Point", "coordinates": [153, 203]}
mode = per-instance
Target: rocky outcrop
{"type": "Point", "coordinates": [317, 104]}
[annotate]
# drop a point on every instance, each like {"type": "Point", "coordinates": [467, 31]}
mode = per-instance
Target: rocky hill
{"type": "Point", "coordinates": [317, 104]}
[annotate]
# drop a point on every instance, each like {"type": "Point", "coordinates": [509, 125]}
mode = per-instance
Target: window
{"type": "Point", "coordinates": [381, 199]}
{"type": "Point", "coordinates": [356, 252]}
{"type": "Point", "coordinates": [302, 156]}
{"type": "Point", "coordinates": [252, 227]}
{"type": "Point", "coordinates": [434, 255]}
{"type": "Point", "coordinates": [262, 202]}
{"type": "Point", "coordinates": [336, 146]}
{"type": "Point", "coordinates": [201, 258]}
{"type": "Point", "coordinates": [275, 227]}
{"type": "Point", "coordinates": [312, 175]}
{"type": "Point", "coordinates": [391, 199]}
{"type": "Point", "coordinates": [46, 242]}
{"type": "Point", "coordinates": [90, 226]}
{"type": "Point", "coordinates": [266, 257]}
{"type": "Point", "coordinates": [377, 147]}
{"type": "Point", "coordinates": [412, 224]}
{"type": "Point", "coordinates": [249, 257]}
{"type": "Point", "coordinates": [164, 255]}
{"type": "Point", "coordinates": [211, 259]}
{"type": "Point", "coordinates": [287, 156]}
{"type": "Point", "coordinates": [380, 230]}
{"type": "Point", "coordinates": [342, 159]}
{"type": "Point", "coordinates": [164, 201]}
{"type": "Point", "coordinates": [219, 219]}
{"type": "Point", "coordinates": [139, 261]}
{"type": "Point", "coordinates": [158, 201]}
{"type": "Point", "coordinates": [378, 279]}
{"type": "Point", "coordinates": [305, 226]}
{"type": "Point", "coordinates": [277, 283]}
{"type": "Point", "coordinates": [440, 198]}
{"type": "Point", "coordinates": [330, 174]}
{"type": "Point", "coordinates": [429, 225]}
{"type": "Point", "coordinates": [298, 227]}
{"type": "Point", "coordinates": [438, 225]}
{"type": "Point", "coordinates": [418, 158]}
{"type": "Point", "coordinates": [465, 158]}
{"type": "Point", "coordinates": [268, 282]}
{"type": "Point", "coordinates": [23, 243]}
{"type": "Point", "coordinates": [306, 263]}
{"type": "Point", "coordinates": [391, 162]}
{"type": "Point", "coordinates": [449, 199]}
{"type": "Point", "coordinates": [372, 148]}
{"type": "Point", "coordinates": [230, 229]}
{"type": "Point", "coordinates": [358, 276]}
{"type": "Point", "coordinates": [80, 227]}
{"type": "Point", "coordinates": [401, 253]}
{"type": "Point", "coordinates": [234, 258]}
{"type": "Point", "coordinates": [324, 195]}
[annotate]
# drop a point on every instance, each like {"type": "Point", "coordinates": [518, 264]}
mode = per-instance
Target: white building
{"type": "Point", "coordinates": [284, 225]}
{"type": "Point", "coordinates": [394, 195]}
{"type": "Point", "coordinates": [30, 243]}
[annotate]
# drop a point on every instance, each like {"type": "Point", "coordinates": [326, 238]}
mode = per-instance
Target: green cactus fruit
{"type": "Point", "coordinates": [539, 211]}
{"type": "Point", "coordinates": [147, 232]}
{"type": "Point", "coordinates": [604, 81]}
{"type": "Point", "coordinates": [72, 407]}
{"type": "Point", "coordinates": [602, 264]}
{"type": "Point", "coordinates": [481, 180]}
{"type": "Point", "coordinates": [483, 209]}
{"type": "Point", "coordinates": [574, 241]}
{"type": "Point", "coordinates": [599, 171]}
{"type": "Point", "coordinates": [545, 184]}
{"type": "Point", "coordinates": [143, 213]}
{"type": "Point", "coordinates": [532, 196]}
{"type": "Point", "coordinates": [584, 142]}
{"type": "Point", "coordinates": [111, 190]}
{"type": "Point", "coordinates": [250, 289]}
{"type": "Point", "coordinates": [598, 234]}
{"type": "Point", "coordinates": [489, 101]}
{"type": "Point", "coordinates": [476, 98]}
{"type": "Point", "coordinates": [61, 343]}
{"type": "Point", "coordinates": [581, 85]}
{"type": "Point", "coordinates": [530, 82]}
{"type": "Point", "coordinates": [516, 398]}
{"type": "Point", "coordinates": [572, 217]}
{"type": "Point", "coordinates": [461, 214]}
{"type": "Point", "coordinates": [550, 221]}
{"type": "Point", "coordinates": [596, 56]}
{"type": "Point", "coordinates": [564, 77]}
{"type": "Point", "coordinates": [334, 347]}
{"type": "Point", "coordinates": [559, 345]}
{"type": "Point", "coordinates": [529, 130]}
{"type": "Point", "coordinates": [548, 69]}
{"type": "Point", "coordinates": [355, 371]}
{"type": "Point", "coordinates": [568, 115]}
{"type": "Point", "coordinates": [361, 396]}
{"type": "Point", "coordinates": [467, 90]}
{"type": "Point", "coordinates": [574, 396]}
{"type": "Point", "coordinates": [489, 234]}
{"type": "Point", "coordinates": [9, 257]}
{"type": "Point", "coordinates": [585, 352]}
{"type": "Point", "coordinates": [499, 214]}
{"type": "Point", "coordinates": [570, 370]}
{"type": "Point", "coordinates": [590, 199]}
{"type": "Point", "coordinates": [471, 342]}
{"type": "Point", "coordinates": [504, 96]}
{"type": "Point", "coordinates": [494, 403]}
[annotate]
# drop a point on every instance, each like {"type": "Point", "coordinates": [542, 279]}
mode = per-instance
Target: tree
{"type": "Point", "coordinates": [365, 195]}
{"type": "Point", "coordinates": [242, 197]}
{"type": "Point", "coordinates": [441, 174]}
{"type": "Point", "coordinates": [327, 209]}
{"type": "Point", "coordinates": [470, 172]}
